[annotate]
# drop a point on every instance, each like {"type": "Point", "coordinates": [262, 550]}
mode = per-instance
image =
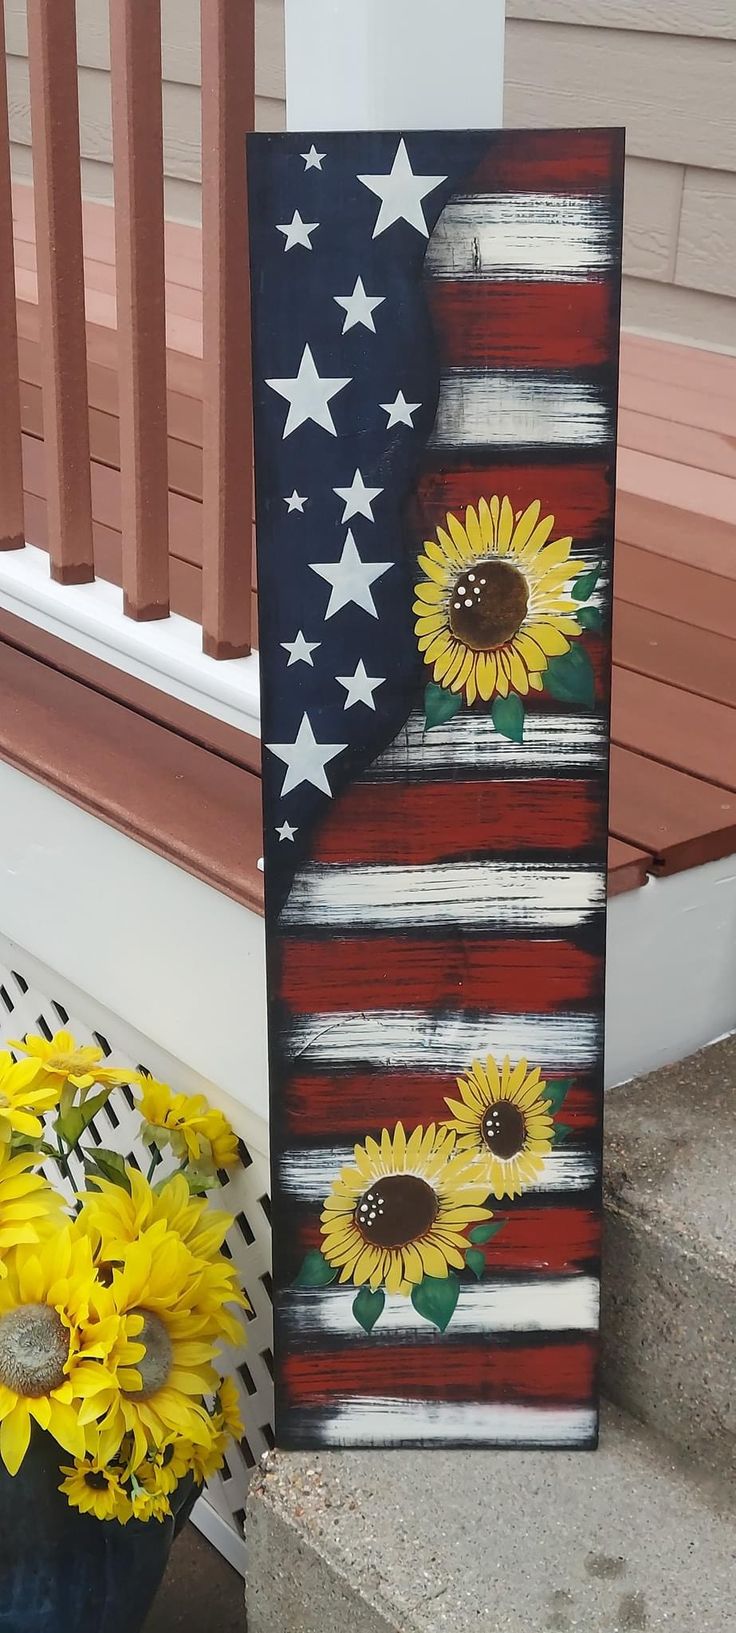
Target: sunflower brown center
{"type": "Point", "coordinates": [34, 1346]}
{"type": "Point", "coordinates": [396, 1210]}
{"type": "Point", "coordinates": [96, 1480]}
{"type": "Point", "coordinates": [503, 1129]}
{"type": "Point", "coordinates": [488, 605]}
{"type": "Point", "coordinates": [155, 1366]}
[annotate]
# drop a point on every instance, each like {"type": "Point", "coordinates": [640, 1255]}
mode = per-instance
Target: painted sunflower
{"type": "Point", "coordinates": [503, 1117]}
{"type": "Point", "coordinates": [493, 609]}
{"type": "Point", "coordinates": [401, 1213]}
{"type": "Point", "coordinates": [30, 1208]}
{"type": "Point", "coordinates": [52, 1349]}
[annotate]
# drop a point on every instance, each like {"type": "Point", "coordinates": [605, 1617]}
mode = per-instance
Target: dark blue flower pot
{"type": "Point", "coordinates": [65, 1572]}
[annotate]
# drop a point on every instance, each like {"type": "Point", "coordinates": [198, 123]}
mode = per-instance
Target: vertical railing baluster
{"type": "Point", "coordinates": [228, 112]}
{"type": "Point", "coordinates": [137, 122]}
{"type": "Point", "coordinates": [52, 57]}
{"type": "Point", "coordinates": [12, 532]}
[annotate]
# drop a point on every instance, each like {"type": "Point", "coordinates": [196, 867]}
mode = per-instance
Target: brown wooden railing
{"type": "Point", "coordinates": [146, 395]}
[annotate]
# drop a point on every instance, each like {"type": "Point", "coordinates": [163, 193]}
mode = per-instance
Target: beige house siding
{"type": "Point", "coordinates": [180, 21]}
{"type": "Point", "coordinates": [667, 70]}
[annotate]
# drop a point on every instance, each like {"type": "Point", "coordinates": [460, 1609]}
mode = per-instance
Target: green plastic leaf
{"type": "Point", "coordinates": [584, 585]}
{"type": "Point", "coordinates": [368, 1306]}
{"type": "Point", "coordinates": [440, 705]}
{"type": "Point", "coordinates": [556, 1094]}
{"type": "Point", "coordinates": [590, 618]}
{"type": "Point", "coordinates": [435, 1299]}
{"type": "Point", "coordinates": [315, 1271]}
{"type": "Point", "coordinates": [475, 1261]}
{"type": "Point", "coordinates": [562, 1132]}
{"type": "Point", "coordinates": [199, 1180]}
{"type": "Point", "coordinates": [508, 716]}
{"type": "Point", "coordinates": [109, 1165]}
{"type": "Point", "coordinates": [484, 1233]}
{"type": "Point", "coordinates": [72, 1126]}
{"type": "Point", "coordinates": [570, 677]}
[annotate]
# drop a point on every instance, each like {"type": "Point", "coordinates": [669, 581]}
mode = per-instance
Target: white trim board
{"type": "Point", "coordinates": [166, 653]}
{"type": "Point", "coordinates": [184, 966]}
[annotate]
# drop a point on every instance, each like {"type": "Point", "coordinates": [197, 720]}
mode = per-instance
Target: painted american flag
{"type": "Point", "coordinates": [435, 322]}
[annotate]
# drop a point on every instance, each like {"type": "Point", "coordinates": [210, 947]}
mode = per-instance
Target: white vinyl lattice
{"type": "Point", "coordinates": [245, 1195]}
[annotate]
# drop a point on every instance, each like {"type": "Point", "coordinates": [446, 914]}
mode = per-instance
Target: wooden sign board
{"type": "Point", "coordinates": [435, 367]}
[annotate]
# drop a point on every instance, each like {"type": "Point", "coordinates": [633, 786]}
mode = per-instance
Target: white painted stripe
{"type": "Point", "coordinates": [364, 1421]}
{"type": "Point", "coordinates": [473, 895]}
{"type": "Point", "coordinates": [519, 408]}
{"type": "Point", "coordinates": [539, 236]}
{"type": "Point", "coordinates": [554, 1304]}
{"type": "Point", "coordinates": [308, 1175]}
{"type": "Point", "coordinates": [552, 742]}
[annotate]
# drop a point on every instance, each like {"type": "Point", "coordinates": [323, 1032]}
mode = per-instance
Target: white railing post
{"type": "Point", "coordinates": [386, 64]}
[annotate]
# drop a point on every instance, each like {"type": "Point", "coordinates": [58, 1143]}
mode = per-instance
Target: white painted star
{"type": "Point", "coordinates": [300, 651]}
{"type": "Point", "coordinates": [297, 231]}
{"type": "Point", "coordinates": [360, 686]}
{"type": "Point", "coordinates": [296, 501]}
{"type": "Point", "coordinates": [401, 194]}
{"type": "Point", "coordinates": [400, 411]}
{"type": "Point", "coordinates": [308, 396]}
{"type": "Point", "coordinates": [313, 159]}
{"type": "Point", "coordinates": [286, 832]}
{"type": "Point", "coordinates": [351, 579]}
{"type": "Point", "coordinates": [358, 498]}
{"type": "Point", "coordinates": [359, 307]}
{"type": "Point", "coordinates": [305, 759]}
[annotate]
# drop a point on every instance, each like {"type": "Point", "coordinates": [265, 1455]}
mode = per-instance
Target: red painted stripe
{"type": "Point", "coordinates": [578, 496]}
{"type": "Point", "coordinates": [401, 972]}
{"type": "Point", "coordinates": [550, 161]}
{"type": "Point", "coordinates": [420, 823]}
{"type": "Point", "coordinates": [552, 1373]}
{"type": "Point", "coordinates": [361, 1103]}
{"type": "Point", "coordinates": [521, 325]}
{"type": "Point", "coordinates": [557, 1240]}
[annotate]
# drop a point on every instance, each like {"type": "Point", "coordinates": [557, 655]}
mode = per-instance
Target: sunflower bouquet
{"type": "Point", "coordinates": [115, 1295]}
{"type": "Point", "coordinates": [500, 610]}
{"type": "Point", "coordinates": [414, 1213]}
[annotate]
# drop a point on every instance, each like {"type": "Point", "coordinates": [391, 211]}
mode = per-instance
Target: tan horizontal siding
{"type": "Point", "coordinates": [680, 314]}
{"type": "Point", "coordinates": [675, 95]}
{"type": "Point", "coordinates": [653, 203]}
{"type": "Point", "coordinates": [715, 19]}
{"type": "Point", "coordinates": [706, 255]}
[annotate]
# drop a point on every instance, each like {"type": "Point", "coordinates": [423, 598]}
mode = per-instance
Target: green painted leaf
{"type": "Point", "coordinates": [562, 1132]}
{"type": "Point", "coordinates": [72, 1126]}
{"type": "Point", "coordinates": [584, 585]}
{"type": "Point", "coordinates": [590, 618]}
{"type": "Point", "coordinates": [484, 1233]}
{"type": "Point", "coordinates": [440, 705]}
{"type": "Point", "coordinates": [368, 1306]}
{"type": "Point", "coordinates": [315, 1271]}
{"type": "Point", "coordinates": [110, 1165]}
{"type": "Point", "coordinates": [475, 1261]}
{"type": "Point", "coordinates": [570, 677]}
{"type": "Point", "coordinates": [435, 1299]}
{"type": "Point", "coordinates": [508, 716]}
{"type": "Point", "coordinates": [557, 1094]}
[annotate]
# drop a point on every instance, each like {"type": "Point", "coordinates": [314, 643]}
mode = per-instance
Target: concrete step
{"type": "Point", "coordinates": [669, 1290]}
{"type": "Point", "coordinates": [619, 1541]}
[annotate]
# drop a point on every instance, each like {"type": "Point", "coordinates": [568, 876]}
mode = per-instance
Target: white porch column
{"type": "Point", "coordinates": [394, 64]}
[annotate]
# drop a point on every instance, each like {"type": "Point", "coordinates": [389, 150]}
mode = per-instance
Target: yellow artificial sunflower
{"type": "Point", "coordinates": [494, 607]}
{"type": "Point", "coordinates": [205, 1461]}
{"type": "Point", "coordinates": [227, 1415]}
{"type": "Point", "coordinates": [24, 1097]}
{"type": "Point", "coordinates": [160, 1392]}
{"type": "Point", "coordinates": [30, 1208]}
{"type": "Point", "coordinates": [115, 1218]}
{"type": "Point", "coordinates": [52, 1348]}
{"type": "Point", "coordinates": [503, 1117]}
{"type": "Point", "coordinates": [151, 1491]}
{"type": "Point", "coordinates": [63, 1060]}
{"type": "Point", "coordinates": [400, 1214]}
{"type": "Point", "coordinates": [95, 1487]}
{"type": "Point", "coordinates": [196, 1131]}
{"type": "Point", "coordinates": [170, 1464]}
